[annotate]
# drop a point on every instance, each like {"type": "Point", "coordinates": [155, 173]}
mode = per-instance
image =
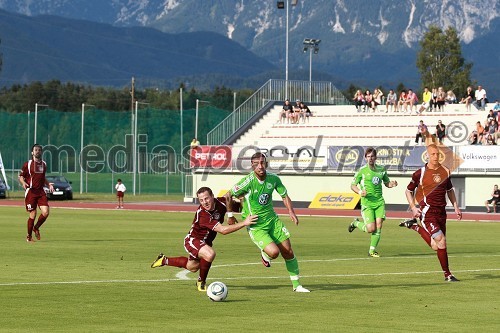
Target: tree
{"type": "Point", "coordinates": [440, 61]}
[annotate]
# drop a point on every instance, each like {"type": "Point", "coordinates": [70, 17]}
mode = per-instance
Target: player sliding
{"type": "Point", "coordinates": [432, 183]}
{"type": "Point", "coordinates": [370, 178]}
{"type": "Point", "coordinates": [207, 223]}
{"type": "Point", "coordinates": [269, 233]}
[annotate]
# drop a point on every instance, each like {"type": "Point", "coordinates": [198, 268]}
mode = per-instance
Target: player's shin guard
{"type": "Point", "coordinates": [204, 268]}
{"type": "Point", "coordinates": [375, 239]}
{"type": "Point", "coordinates": [40, 221]}
{"type": "Point", "coordinates": [442, 255]}
{"type": "Point", "coordinates": [31, 222]}
{"type": "Point", "coordinates": [292, 266]}
{"type": "Point", "coordinates": [180, 262]}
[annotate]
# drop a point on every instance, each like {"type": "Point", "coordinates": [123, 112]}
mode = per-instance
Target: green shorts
{"type": "Point", "coordinates": [273, 232]}
{"type": "Point", "coordinates": [372, 212]}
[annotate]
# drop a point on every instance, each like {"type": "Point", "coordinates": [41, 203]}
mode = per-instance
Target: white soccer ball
{"type": "Point", "coordinates": [217, 291]}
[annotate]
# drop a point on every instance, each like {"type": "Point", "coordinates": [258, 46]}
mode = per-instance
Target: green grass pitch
{"type": "Point", "coordinates": [91, 272]}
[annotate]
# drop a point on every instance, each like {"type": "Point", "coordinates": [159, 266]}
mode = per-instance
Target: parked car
{"type": "Point", "coordinates": [62, 188]}
{"type": "Point", "coordinates": [3, 189]}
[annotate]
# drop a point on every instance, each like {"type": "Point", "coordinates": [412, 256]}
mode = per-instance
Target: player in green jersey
{"type": "Point", "coordinates": [367, 183]}
{"type": "Point", "coordinates": [269, 233]}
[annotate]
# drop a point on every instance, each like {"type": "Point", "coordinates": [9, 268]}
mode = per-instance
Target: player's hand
{"type": "Point", "coordinates": [459, 213]}
{"type": "Point", "coordinates": [231, 220]}
{"type": "Point", "coordinates": [294, 218]}
{"type": "Point", "coordinates": [416, 212]}
{"type": "Point", "coordinates": [394, 183]}
{"type": "Point", "coordinates": [51, 187]}
{"type": "Point", "coordinates": [251, 219]}
{"type": "Point", "coordinates": [362, 193]}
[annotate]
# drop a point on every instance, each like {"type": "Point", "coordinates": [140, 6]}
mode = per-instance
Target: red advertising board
{"type": "Point", "coordinates": [217, 157]}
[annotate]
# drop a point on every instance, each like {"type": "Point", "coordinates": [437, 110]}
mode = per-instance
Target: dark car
{"type": "Point", "coordinates": [3, 189]}
{"type": "Point", "coordinates": [62, 188]}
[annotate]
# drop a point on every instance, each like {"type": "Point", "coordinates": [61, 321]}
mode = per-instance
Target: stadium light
{"type": "Point", "coordinates": [312, 45]}
{"type": "Point", "coordinates": [281, 5]}
{"type": "Point", "coordinates": [81, 144]}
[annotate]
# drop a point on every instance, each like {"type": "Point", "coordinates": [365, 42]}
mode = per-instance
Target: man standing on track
{"type": "Point", "coordinates": [32, 179]}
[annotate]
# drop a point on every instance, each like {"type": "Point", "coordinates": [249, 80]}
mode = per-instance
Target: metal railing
{"type": "Point", "coordinates": [319, 92]}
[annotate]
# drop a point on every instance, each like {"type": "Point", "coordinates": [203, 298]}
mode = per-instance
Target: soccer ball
{"type": "Point", "coordinates": [217, 291]}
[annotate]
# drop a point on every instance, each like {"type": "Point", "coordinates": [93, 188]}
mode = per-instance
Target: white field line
{"type": "Point", "coordinates": [182, 275]}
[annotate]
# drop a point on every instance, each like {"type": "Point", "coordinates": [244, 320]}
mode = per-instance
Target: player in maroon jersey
{"type": "Point", "coordinates": [207, 223]}
{"type": "Point", "coordinates": [32, 179]}
{"type": "Point", "coordinates": [432, 184]}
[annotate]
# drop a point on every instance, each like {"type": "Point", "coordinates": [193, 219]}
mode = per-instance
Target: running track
{"type": "Point", "coordinates": [188, 207]}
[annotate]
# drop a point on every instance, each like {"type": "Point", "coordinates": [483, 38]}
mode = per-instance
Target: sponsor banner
{"type": "Point", "coordinates": [282, 157]}
{"type": "Point", "coordinates": [335, 200]}
{"type": "Point", "coordinates": [394, 157]}
{"type": "Point", "coordinates": [479, 157]}
{"type": "Point", "coordinates": [217, 157]}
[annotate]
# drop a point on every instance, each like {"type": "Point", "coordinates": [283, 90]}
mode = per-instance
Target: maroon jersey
{"type": "Point", "coordinates": [34, 175]}
{"type": "Point", "coordinates": [431, 186]}
{"type": "Point", "coordinates": [205, 221]}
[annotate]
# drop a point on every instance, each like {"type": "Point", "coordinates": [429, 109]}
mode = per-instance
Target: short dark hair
{"type": "Point", "coordinates": [119, 180]}
{"type": "Point", "coordinates": [36, 145]}
{"type": "Point", "coordinates": [205, 189]}
{"type": "Point", "coordinates": [258, 155]}
{"type": "Point", "coordinates": [370, 150]}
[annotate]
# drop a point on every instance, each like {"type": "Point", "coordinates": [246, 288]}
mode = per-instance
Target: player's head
{"type": "Point", "coordinates": [495, 187]}
{"type": "Point", "coordinates": [433, 155]}
{"type": "Point", "coordinates": [119, 180]}
{"type": "Point", "coordinates": [259, 164]}
{"type": "Point", "coordinates": [36, 150]}
{"type": "Point", "coordinates": [371, 155]}
{"type": "Point", "coordinates": [206, 197]}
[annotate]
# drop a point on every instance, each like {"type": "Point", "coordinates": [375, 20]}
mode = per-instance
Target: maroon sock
{"type": "Point", "coordinates": [40, 221]}
{"type": "Point", "coordinates": [30, 226]}
{"type": "Point", "coordinates": [424, 234]}
{"type": "Point", "coordinates": [204, 268]}
{"type": "Point", "coordinates": [180, 262]}
{"type": "Point", "coordinates": [443, 260]}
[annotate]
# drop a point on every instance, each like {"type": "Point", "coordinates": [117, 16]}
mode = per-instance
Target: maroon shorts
{"type": "Point", "coordinates": [119, 194]}
{"type": "Point", "coordinates": [434, 219]}
{"type": "Point", "coordinates": [34, 199]}
{"type": "Point", "coordinates": [193, 246]}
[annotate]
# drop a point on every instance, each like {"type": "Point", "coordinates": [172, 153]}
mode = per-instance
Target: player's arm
{"type": "Point", "coordinates": [49, 185]}
{"type": "Point", "coordinates": [354, 185]}
{"type": "Point", "coordinates": [229, 204]}
{"type": "Point", "coordinates": [410, 197]}
{"type": "Point", "coordinates": [392, 183]}
{"type": "Point", "coordinates": [21, 178]}
{"type": "Point", "coordinates": [453, 200]}
{"type": "Point", "coordinates": [227, 229]}
{"type": "Point", "coordinates": [288, 204]}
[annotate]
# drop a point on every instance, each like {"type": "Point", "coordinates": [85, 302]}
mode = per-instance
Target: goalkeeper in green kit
{"type": "Point", "coordinates": [269, 233]}
{"type": "Point", "coordinates": [367, 183]}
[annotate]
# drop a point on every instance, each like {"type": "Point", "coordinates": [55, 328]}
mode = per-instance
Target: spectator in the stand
{"type": "Point", "coordinates": [491, 132]}
{"type": "Point", "coordinates": [411, 100]}
{"type": "Point", "coordinates": [296, 111]}
{"type": "Point", "coordinates": [473, 138]}
{"type": "Point", "coordinates": [305, 112]}
{"type": "Point", "coordinates": [480, 98]}
{"type": "Point", "coordinates": [434, 106]}
{"type": "Point", "coordinates": [421, 132]}
{"type": "Point", "coordinates": [495, 198]}
{"type": "Point", "coordinates": [496, 107]}
{"type": "Point", "coordinates": [468, 98]}
{"type": "Point", "coordinates": [440, 100]}
{"type": "Point", "coordinates": [377, 98]}
{"type": "Point", "coordinates": [285, 111]}
{"type": "Point", "coordinates": [359, 100]}
{"type": "Point", "coordinates": [450, 97]}
{"type": "Point", "coordinates": [402, 106]}
{"type": "Point", "coordinates": [480, 132]}
{"type": "Point", "coordinates": [369, 100]}
{"type": "Point", "coordinates": [426, 100]}
{"type": "Point", "coordinates": [195, 143]}
{"type": "Point", "coordinates": [392, 100]}
{"type": "Point", "coordinates": [440, 131]}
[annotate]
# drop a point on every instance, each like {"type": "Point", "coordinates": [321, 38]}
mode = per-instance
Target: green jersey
{"type": "Point", "coordinates": [258, 196]}
{"type": "Point", "coordinates": [371, 181]}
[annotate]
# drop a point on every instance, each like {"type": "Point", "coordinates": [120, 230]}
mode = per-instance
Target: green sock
{"type": "Point", "coordinates": [292, 266]}
{"type": "Point", "coordinates": [374, 239]}
{"type": "Point", "coordinates": [361, 225]}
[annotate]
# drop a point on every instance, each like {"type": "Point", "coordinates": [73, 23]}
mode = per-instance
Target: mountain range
{"type": "Point", "coordinates": [364, 42]}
